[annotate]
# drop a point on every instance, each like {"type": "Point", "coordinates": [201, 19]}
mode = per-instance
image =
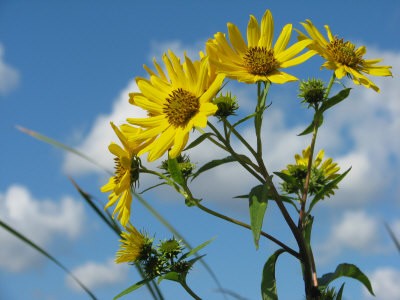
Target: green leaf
{"type": "Point", "coordinates": [198, 141]}
{"type": "Point", "coordinates": [268, 281]}
{"type": "Point", "coordinates": [244, 119]}
{"type": "Point", "coordinates": [43, 252]}
{"type": "Point", "coordinates": [326, 188]}
{"type": "Point", "coordinates": [258, 200]}
{"type": "Point", "coordinates": [195, 250]}
{"type": "Point", "coordinates": [339, 97]}
{"type": "Point", "coordinates": [215, 163]}
{"type": "Point", "coordinates": [318, 116]}
{"type": "Point", "coordinates": [340, 293]}
{"type": "Point", "coordinates": [346, 270]}
{"type": "Point", "coordinates": [286, 178]}
{"type": "Point", "coordinates": [173, 276]}
{"type": "Point", "coordinates": [175, 171]}
{"type": "Point", "coordinates": [132, 288]}
{"type": "Point", "coordinates": [57, 144]}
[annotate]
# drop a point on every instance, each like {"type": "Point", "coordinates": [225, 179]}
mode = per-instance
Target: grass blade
{"type": "Point", "coordinates": [40, 250]}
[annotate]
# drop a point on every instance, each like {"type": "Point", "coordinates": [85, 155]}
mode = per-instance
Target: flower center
{"type": "Point", "coordinates": [181, 106]}
{"type": "Point", "coordinates": [119, 170]}
{"type": "Point", "coordinates": [344, 53]}
{"type": "Point", "coordinates": [260, 61]}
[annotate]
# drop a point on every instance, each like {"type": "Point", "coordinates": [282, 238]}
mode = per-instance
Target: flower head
{"type": "Point", "coordinates": [134, 246]}
{"type": "Point", "coordinates": [126, 174]}
{"type": "Point", "coordinates": [343, 57]}
{"type": "Point", "coordinates": [321, 173]}
{"type": "Point", "coordinates": [175, 103]}
{"type": "Point", "coordinates": [256, 60]}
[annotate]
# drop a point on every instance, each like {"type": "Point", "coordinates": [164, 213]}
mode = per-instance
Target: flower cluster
{"type": "Point", "coordinates": [322, 173]}
{"type": "Point", "coordinates": [157, 260]}
{"type": "Point", "coordinates": [180, 95]}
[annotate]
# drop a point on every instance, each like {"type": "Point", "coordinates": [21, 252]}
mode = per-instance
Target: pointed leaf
{"type": "Point", "coordinates": [132, 288]}
{"type": "Point", "coordinates": [198, 141]}
{"type": "Point", "coordinates": [173, 276]}
{"type": "Point", "coordinates": [258, 200]}
{"type": "Point", "coordinates": [195, 250]}
{"type": "Point", "coordinates": [310, 128]}
{"type": "Point", "coordinates": [340, 293]}
{"type": "Point", "coordinates": [339, 97]}
{"type": "Point", "coordinates": [346, 270]}
{"type": "Point", "coordinates": [215, 163]}
{"type": "Point", "coordinates": [43, 252]}
{"type": "Point", "coordinates": [326, 188]}
{"type": "Point", "coordinates": [286, 178]}
{"type": "Point", "coordinates": [268, 282]}
{"type": "Point", "coordinates": [244, 119]}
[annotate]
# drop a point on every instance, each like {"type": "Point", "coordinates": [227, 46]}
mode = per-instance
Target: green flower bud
{"type": "Point", "coordinates": [312, 91]}
{"type": "Point", "coordinates": [227, 105]}
{"type": "Point", "coordinates": [170, 249]}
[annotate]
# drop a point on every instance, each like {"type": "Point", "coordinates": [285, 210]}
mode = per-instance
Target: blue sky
{"type": "Point", "coordinates": [66, 68]}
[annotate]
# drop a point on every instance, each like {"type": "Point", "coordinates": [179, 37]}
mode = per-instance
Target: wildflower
{"type": "Point", "coordinates": [134, 246]}
{"type": "Point", "coordinates": [343, 57]}
{"type": "Point", "coordinates": [126, 175]}
{"type": "Point", "coordinates": [321, 173]}
{"type": "Point", "coordinates": [256, 60]}
{"type": "Point", "coordinates": [174, 105]}
{"type": "Point", "coordinates": [170, 249]}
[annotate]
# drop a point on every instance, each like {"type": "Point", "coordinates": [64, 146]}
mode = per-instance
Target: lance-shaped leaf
{"type": "Point", "coordinates": [327, 188]}
{"type": "Point", "coordinates": [258, 201]}
{"type": "Point", "coordinates": [268, 281]}
{"type": "Point", "coordinates": [217, 162]}
{"type": "Point", "coordinates": [346, 270]}
{"type": "Point", "coordinates": [195, 250]}
{"type": "Point", "coordinates": [318, 119]}
{"type": "Point", "coordinates": [198, 141]}
{"type": "Point", "coordinates": [132, 288]}
{"type": "Point", "coordinates": [339, 97]}
{"type": "Point", "coordinates": [43, 252]}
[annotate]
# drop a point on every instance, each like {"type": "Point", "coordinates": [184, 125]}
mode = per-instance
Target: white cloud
{"type": "Point", "coordinates": [96, 275]}
{"type": "Point", "coordinates": [356, 230]}
{"type": "Point", "coordinates": [39, 220]}
{"type": "Point", "coordinates": [95, 144]}
{"type": "Point", "coordinates": [385, 283]}
{"type": "Point", "coordinates": [9, 76]}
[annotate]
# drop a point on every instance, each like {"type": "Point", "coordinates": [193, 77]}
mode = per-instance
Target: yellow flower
{"type": "Point", "coordinates": [132, 245]}
{"type": "Point", "coordinates": [343, 57]}
{"type": "Point", "coordinates": [126, 174]}
{"type": "Point", "coordinates": [322, 172]}
{"type": "Point", "coordinates": [256, 60]}
{"type": "Point", "coordinates": [175, 105]}
{"type": "Point", "coordinates": [328, 168]}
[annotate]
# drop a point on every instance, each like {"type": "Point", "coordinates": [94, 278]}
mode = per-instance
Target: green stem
{"type": "Point", "coordinates": [261, 104]}
{"type": "Point", "coordinates": [308, 257]}
{"type": "Point", "coordinates": [244, 225]}
{"type": "Point", "coordinates": [228, 148]}
{"type": "Point", "coordinates": [189, 290]}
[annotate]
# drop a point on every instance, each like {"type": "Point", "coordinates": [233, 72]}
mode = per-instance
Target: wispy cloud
{"type": "Point", "coordinates": [9, 76]}
{"type": "Point", "coordinates": [385, 282]}
{"type": "Point", "coordinates": [95, 275]}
